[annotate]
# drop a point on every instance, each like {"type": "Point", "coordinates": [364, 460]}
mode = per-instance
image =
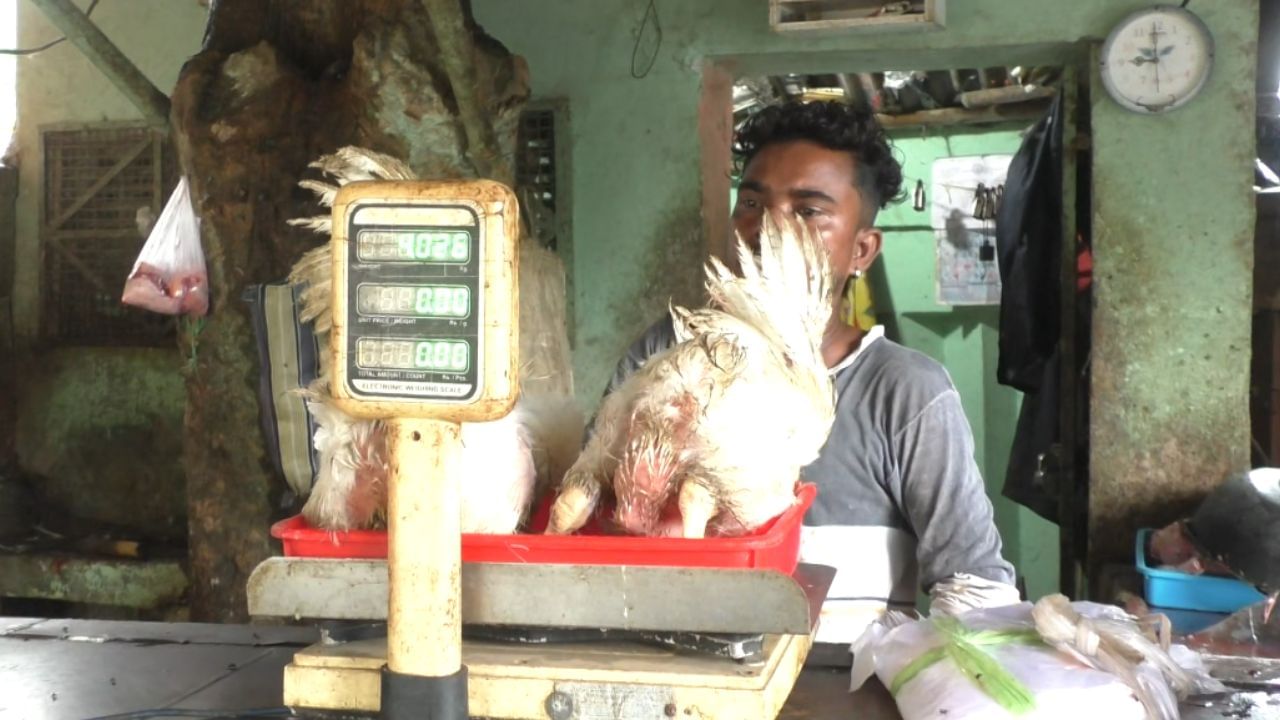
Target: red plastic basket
{"type": "Point", "coordinates": [776, 546]}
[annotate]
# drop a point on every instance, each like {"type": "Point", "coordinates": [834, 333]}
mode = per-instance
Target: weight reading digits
{"type": "Point", "coordinates": [440, 301]}
{"type": "Point", "coordinates": [438, 355]}
{"type": "Point", "coordinates": [414, 300]}
{"type": "Point", "coordinates": [437, 246]}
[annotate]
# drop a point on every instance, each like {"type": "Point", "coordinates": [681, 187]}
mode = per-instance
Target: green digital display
{"type": "Point", "coordinates": [453, 356]}
{"type": "Point", "coordinates": [426, 301]}
{"type": "Point", "coordinates": [429, 246]}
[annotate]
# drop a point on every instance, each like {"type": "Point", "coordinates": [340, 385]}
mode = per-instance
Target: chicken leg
{"type": "Point", "coordinates": [697, 507]}
{"type": "Point", "coordinates": [574, 505]}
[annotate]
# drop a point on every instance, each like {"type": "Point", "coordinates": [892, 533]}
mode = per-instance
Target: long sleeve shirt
{"type": "Point", "coordinates": [901, 504]}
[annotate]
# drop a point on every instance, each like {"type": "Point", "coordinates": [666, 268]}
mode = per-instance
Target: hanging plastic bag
{"type": "Point", "coordinates": [169, 276]}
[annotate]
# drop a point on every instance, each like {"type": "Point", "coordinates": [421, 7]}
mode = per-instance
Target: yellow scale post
{"type": "Point", "coordinates": [425, 337]}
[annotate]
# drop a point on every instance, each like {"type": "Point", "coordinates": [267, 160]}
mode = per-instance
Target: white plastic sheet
{"type": "Point", "coordinates": [1062, 687]}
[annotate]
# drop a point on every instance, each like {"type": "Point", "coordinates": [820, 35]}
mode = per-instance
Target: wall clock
{"type": "Point", "coordinates": [1157, 59]}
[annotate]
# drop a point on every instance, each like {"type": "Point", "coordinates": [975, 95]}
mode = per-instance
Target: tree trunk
{"type": "Point", "coordinates": [278, 83]}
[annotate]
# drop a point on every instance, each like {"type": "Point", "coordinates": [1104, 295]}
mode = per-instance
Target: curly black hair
{"type": "Point", "coordinates": [835, 126]}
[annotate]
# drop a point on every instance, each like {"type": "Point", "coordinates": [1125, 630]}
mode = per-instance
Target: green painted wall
{"type": "Point", "coordinates": [963, 339]}
{"type": "Point", "coordinates": [1173, 277]}
{"type": "Point", "coordinates": [103, 428]}
{"type": "Point", "coordinates": [1174, 213]}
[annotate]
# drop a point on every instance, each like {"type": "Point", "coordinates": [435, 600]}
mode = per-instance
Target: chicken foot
{"type": "Point", "coordinates": [697, 507]}
{"type": "Point", "coordinates": [580, 490]}
{"type": "Point", "coordinates": [574, 505]}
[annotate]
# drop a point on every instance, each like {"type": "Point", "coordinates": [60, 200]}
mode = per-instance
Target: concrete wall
{"type": "Point", "coordinates": [1173, 216]}
{"type": "Point", "coordinates": [103, 428]}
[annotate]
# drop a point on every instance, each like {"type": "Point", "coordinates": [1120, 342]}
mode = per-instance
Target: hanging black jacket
{"type": "Point", "coordinates": [1029, 245]}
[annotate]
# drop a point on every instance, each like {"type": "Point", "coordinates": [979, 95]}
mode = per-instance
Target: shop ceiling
{"type": "Point", "coordinates": [913, 98]}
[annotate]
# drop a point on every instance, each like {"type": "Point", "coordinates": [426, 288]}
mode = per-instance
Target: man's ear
{"type": "Point", "coordinates": [866, 248]}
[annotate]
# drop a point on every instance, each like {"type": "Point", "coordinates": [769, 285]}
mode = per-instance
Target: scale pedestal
{"type": "Point", "coordinates": [560, 681]}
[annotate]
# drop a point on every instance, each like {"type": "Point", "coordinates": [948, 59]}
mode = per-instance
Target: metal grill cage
{"type": "Point", "coordinates": [97, 178]}
{"type": "Point", "coordinates": [536, 172]}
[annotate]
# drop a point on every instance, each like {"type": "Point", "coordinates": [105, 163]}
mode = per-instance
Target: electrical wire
{"type": "Point", "coordinates": [46, 46]}
{"type": "Point", "coordinates": [159, 713]}
{"type": "Point", "coordinates": [650, 11]}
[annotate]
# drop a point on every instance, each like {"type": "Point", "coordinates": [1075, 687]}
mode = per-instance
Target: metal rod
{"type": "Point", "coordinates": [1070, 479]}
{"type": "Point", "coordinates": [96, 46]}
{"type": "Point", "coordinates": [855, 93]}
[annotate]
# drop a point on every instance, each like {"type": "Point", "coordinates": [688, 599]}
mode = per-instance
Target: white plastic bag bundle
{"type": "Point", "coordinates": [990, 664]}
{"type": "Point", "coordinates": [169, 275]}
{"type": "Point", "coordinates": [1106, 638]}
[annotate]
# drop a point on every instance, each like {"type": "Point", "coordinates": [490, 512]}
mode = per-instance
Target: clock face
{"type": "Point", "coordinates": [1157, 59]}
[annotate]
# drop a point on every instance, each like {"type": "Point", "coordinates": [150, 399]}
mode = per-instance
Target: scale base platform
{"type": "Point", "coordinates": [622, 681]}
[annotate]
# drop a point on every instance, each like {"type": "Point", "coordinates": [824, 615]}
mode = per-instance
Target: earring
{"type": "Point", "coordinates": [849, 299]}
{"type": "Point", "coordinates": [919, 202]}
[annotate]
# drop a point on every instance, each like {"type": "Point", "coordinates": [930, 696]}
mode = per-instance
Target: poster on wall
{"type": "Point", "coordinates": [965, 235]}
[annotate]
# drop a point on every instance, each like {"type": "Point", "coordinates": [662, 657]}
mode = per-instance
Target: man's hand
{"type": "Point", "coordinates": [961, 593]}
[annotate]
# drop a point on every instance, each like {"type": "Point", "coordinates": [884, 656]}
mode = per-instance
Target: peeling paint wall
{"type": "Point", "coordinates": [1173, 228]}
{"type": "Point", "coordinates": [1173, 218]}
{"type": "Point", "coordinates": [102, 428]}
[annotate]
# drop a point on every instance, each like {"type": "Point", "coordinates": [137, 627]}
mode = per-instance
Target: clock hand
{"type": "Point", "coordinates": [1156, 58]}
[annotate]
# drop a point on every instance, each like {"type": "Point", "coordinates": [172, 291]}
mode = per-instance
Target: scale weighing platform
{"type": "Point", "coordinates": [424, 337]}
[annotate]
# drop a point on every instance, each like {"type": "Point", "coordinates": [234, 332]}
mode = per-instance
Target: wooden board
{"type": "Point", "coordinates": [831, 16]}
{"type": "Point", "coordinates": [546, 595]}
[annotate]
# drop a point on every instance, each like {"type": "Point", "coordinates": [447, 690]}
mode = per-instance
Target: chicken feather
{"type": "Point", "coordinates": [503, 464]}
{"type": "Point", "coordinates": [722, 422]}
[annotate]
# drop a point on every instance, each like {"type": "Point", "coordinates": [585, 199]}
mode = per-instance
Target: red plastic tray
{"type": "Point", "coordinates": [776, 546]}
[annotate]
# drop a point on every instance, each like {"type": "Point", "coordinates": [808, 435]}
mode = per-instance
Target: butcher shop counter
{"type": "Point", "coordinates": [75, 669]}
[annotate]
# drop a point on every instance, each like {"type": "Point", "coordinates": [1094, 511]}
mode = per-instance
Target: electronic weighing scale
{"type": "Point", "coordinates": [425, 337]}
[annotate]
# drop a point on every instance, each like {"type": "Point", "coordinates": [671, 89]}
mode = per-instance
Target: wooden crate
{"type": "Point", "coordinates": [831, 16]}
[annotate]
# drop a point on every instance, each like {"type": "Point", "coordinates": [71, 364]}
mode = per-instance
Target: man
{"type": "Point", "coordinates": [900, 496]}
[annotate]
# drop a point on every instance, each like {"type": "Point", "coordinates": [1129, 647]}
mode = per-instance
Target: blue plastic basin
{"type": "Point", "coordinates": [1174, 589]}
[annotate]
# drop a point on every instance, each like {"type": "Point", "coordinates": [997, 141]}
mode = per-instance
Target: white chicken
{"type": "Point", "coordinates": [719, 426]}
{"type": "Point", "coordinates": [504, 464]}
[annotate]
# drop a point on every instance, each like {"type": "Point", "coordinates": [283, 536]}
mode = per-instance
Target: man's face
{"type": "Point", "coordinates": [803, 179]}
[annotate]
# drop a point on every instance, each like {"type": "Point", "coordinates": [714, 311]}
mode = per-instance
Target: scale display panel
{"type": "Point", "coordinates": [414, 304]}
{"type": "Point", "coordinates": [425, 299]}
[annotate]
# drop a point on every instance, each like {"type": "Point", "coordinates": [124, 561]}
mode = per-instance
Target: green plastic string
{"type": "Point", "coordinates": [964, 648]}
